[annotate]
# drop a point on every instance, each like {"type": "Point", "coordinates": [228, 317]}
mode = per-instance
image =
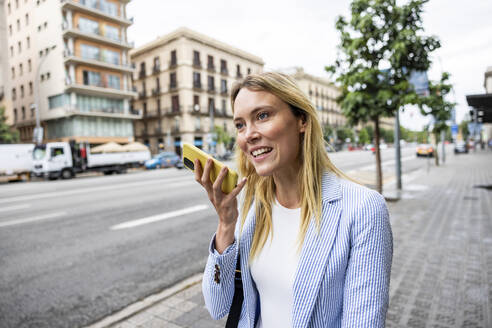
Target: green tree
{"type": "Point", "coordinates": [7, 135]}
{"type": "Point", "coordinates": [381, 44]}
{"type": "Point", "coordinates": [364, 136]}
{"type": "Point", "coordinates": [222, 136]}
{"type": "Point", "coordinates": [328, 133]}
{"type": "Point", "coordinates": [436, 105]}
{"type": "Point", "coordinates": [344, 133]}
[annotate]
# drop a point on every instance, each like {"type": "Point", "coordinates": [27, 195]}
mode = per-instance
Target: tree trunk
{"type": "Point", "coordinates": [436, 154]}
{"type": "Point", "coordinates": [379, 173]}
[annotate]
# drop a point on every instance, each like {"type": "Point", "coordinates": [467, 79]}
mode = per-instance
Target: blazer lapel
{"type": "Point", "coordinates": [244, 246]}
{"type": "Point", "coordinates": [315, 252]}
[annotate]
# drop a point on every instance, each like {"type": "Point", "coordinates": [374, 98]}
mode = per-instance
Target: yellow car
{"type": "Point", "coordinates": [425, 150]}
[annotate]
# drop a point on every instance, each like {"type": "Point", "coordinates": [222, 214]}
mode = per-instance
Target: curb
{"type": "Point", "coordinates": [147, 302]}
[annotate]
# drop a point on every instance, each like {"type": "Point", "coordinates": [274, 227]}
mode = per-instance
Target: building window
{"type": "Point", "coordinates": [114, 81]}
{"type": "Point", "coordinates": [15, 115]}
{"type": "Point", "coordinates": [249, 71]}
{"type": "Point", "coordinates": [45, 25]}
{"type": "Point", "coordinates": [112, 32]}
{"type": "Point", "coordinates": [23, 111]}
{"type": "Point", "coordinates": [196, 103]}
{"type": "Point", "coordinates": [223, 86]}
{"type": "Point", "coordinates": [27, 19]}
{"type": "Point", "coordinates": [157, 65]}
{"type": "Point", "coordinates": [211, 83]}
{"type": "Point", "coordinates": [107, 7]}
{"type": "Point", "coordinates": [91, 103]}
{"type": "Point", "coordinates": [175, 104]}
{"type": "Point", "coordinates": [238, 71]}
{"type": "Point", "coordinates": [142, 72]}
{"type": "Point", "coordinates": [174, 58]}
{"type": "Point", "coordinates": [112, 57]}
{"type": "Point", "coordinates": [173, 81]}
{"type": "Point", "coordinates": [22, 91]}
{"type": "Point", "coordinates": [29, 64]}
{"type": "Point", "coordinates": [196, 59]}
{"type": "Point", "coordinates": [88, 25]}
{"type": "Point", "coordinates": [13, 72]}
{"type": "Point", "coordinates": [30, 88]}
{"type": "Point", "coordinates": [20, 69]}
{"type": "Point", "coordinates": [32, 111]}
{"type": "Point", "coordinates": [18, 25]}
{"type": "Point", "coordinates": [92, 78]}
{"type": "Point", "coordinates": [10, 29]}
{"type": "Point", "coordinates": [28, 41]}
{"type": "Point", "coordinates": [19, 44]}
{"type": "Point", "coordinates": [89, 52]}
{"type": "Point", "coordinates": [11, 51]}
{"type": "Point", "coordinates": [144, 105]}
{"type": "Point", "coordinates": [197, 81]}
{"type": "Point", "coordinates": [224, 107]}
{"type": "Point", "coordinates": [210, 63]}
{"type": "Point", "coordinates": [223, 67]}
{"type": "Point", "coordinates": [14, 94]}
{"type": "Point", "coordinates": [211, 105]}
{"type": "Point", "coordinates": [16, 4]}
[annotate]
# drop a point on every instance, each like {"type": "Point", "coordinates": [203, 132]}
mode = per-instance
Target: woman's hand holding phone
{"type": "Point", "coordinates": [225, 204]}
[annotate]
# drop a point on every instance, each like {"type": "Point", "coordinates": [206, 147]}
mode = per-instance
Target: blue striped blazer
{"type": "Point", "coordinates": [342, 279]}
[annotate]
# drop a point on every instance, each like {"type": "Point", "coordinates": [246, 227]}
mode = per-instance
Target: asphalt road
{"type": "Point", "coordinates": [74, 251]}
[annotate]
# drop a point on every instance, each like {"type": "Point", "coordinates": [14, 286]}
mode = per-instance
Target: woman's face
{"type": "Point", "coordinates": [267, 132]}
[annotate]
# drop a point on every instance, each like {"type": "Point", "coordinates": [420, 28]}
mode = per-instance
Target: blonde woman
{"type": "Point", "coordinates": [315, 249]}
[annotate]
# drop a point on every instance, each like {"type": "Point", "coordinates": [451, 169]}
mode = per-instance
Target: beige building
{"type": "Point", "coordinates": [71, 58]}
{"type": "Point", "coordinates": [183, 81]}
{"type": "Point", "coordinates": [322, 93]}
{"type": "Point", "coordinates": [4, 87]}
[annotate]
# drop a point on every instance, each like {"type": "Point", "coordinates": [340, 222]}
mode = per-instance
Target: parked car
{"type": "Point", "coordinates": [460, 147]}
{"type": "Point", "coordinates": [425, 150]}
{"type": "Point", "coordinates": [164, 159]}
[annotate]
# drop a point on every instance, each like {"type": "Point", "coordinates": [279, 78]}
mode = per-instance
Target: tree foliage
{"type": "Point", "coordinates": [7, 135]}
{"type": "Point", "coordinates": [381, 44]}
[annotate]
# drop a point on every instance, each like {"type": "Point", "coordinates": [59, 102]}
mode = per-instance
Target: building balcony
{"type": "Point", "coordinates": [151, 115]}
{"type": "Point", "coordinates": [211, 89]}
{"type": "Point", "coordinates": [156, 69]}
{"type": "Point", "coordinates": [172, 111]}
{"type": "Point", "coordinates": [156, 92]}
{"type": "Point", "coordinates": [141, 74]}
{"type": "Point", "coordinates": [224, 92]}
{"type": "Point", "coordinates": [99, 91]}
{"type": "Point", "coordinates": [71, 58]}
{"type": "Point", "coordinates": [142, 95]}
{"type": "Point", "coordinates": [173, 86]}
{"type": "Point", "coordinates": [211, 68]}
{"type": "Point", "coordinates": [95, 36]}
{"type": "Point", "coordinates": [92, 112]}
{"type": "Point", "coordinates": [197, 86]}
{"type": "Point", "coordinates": [97, 10]}
{"type": "Point", "coordinates": [224, 71]}
{"type": "Point", "coordinates": [173, 64]}
{"type": "Point", "coordinates": [197, 64]}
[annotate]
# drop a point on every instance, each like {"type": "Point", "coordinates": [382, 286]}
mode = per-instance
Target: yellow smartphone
{"type": "Point", "coordinates": [191, 153]}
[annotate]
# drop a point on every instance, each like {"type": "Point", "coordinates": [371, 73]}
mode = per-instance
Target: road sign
{"type": "Point", "coordinates": [454, 130]}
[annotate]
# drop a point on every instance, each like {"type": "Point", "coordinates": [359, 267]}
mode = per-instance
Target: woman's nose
{"type": "Point", "coordinates": [251, 134]}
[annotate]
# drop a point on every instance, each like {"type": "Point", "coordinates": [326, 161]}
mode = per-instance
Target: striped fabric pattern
{"type": "Point", "coordinates": [344, 270]}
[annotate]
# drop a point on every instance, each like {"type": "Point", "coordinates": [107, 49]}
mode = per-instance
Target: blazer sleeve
{"type": "Point", "coordinates": [218, 280]}
{"type": "Point", "coordinates": [366, 290]}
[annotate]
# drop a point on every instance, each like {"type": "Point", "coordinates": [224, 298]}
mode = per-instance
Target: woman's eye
{"type": "Point", "coordinates": [239, 125]}
{"type": "Point", "coordinates": [262, 116]}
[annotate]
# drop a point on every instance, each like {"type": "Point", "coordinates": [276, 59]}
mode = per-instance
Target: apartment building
{"type": "Point", "coordinates": [322, 93]}
{"type": "Point", "coordinates": [3, 59]}
{"type": "Point", "coordinates": [70, 57]}
{"type": "Point", "coordinates": [183, 81]}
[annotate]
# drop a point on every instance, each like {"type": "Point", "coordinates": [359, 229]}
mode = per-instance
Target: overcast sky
{"type": "Point", "coordinates": [288, 33]}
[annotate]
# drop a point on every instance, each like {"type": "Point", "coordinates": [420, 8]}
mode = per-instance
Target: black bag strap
{"type": "Point", "coordinates": [237, 301]}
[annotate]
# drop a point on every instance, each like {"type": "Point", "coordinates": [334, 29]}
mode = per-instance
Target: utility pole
{"type": "Point", "coordinates": [397, 149]}
{"type": "Point", "coordinates": [38, 130]}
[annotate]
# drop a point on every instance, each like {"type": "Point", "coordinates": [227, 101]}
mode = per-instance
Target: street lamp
{"type": "Point", "coordinates": [38, 130]}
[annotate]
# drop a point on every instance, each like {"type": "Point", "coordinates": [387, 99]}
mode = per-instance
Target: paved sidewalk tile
{"type": "Point", "coordinates": [442, 263]}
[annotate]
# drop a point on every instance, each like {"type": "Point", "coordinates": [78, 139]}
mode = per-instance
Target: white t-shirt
{"type": "Point", "coordinates": [274, 269]}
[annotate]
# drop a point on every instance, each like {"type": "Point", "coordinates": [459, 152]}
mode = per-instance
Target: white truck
{"type": "Point", "coordinates": [16, 161]}
{"type": "Point", "coordinates": [64, 160]}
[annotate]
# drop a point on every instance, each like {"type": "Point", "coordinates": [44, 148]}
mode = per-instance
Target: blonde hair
{"type": "Point", "coordinates": [261, 190]}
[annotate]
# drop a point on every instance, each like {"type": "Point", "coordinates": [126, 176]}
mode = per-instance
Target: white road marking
{"type": "Point", "coordinates": [167, 183]}
{"type": "Point", "coordinates": [32, 219]}
{"type": "Point", "coordinates": [159, 217]}
{"type": "Point", "coordinates": [385, 163]}
{"type": "Point", "coordinates": [15, 207]}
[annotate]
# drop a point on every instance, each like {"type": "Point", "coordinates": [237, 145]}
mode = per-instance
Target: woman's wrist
{"type": "Point", "coordinates": [224, 236]}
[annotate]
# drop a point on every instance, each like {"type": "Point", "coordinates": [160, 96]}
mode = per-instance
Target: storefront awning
{"type": "Point", "coordinates": [483, 104]}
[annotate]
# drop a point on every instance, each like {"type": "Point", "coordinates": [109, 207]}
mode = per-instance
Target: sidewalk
{"type": "Point", "coordinates": [442, 262]}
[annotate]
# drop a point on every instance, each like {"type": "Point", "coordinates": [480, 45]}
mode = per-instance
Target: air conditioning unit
{"type": "Point", "coordinates": [196, 108]}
